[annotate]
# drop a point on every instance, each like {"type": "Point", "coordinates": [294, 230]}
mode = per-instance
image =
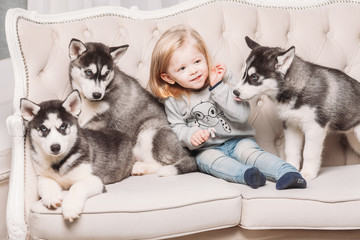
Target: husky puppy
{"type": "Point", "coordinates": [311, 100]}
{"type": "Point", "coordinates": [114, 100]}
{"type": "Point", "coordinates": [68, 157]}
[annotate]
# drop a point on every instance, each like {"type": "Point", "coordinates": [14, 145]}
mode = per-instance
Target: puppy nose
{"type": "Point", "coordinates": [96, 95]}
{"type": "Point", "coordinates": [55, 148]}
{"type": "Point", "coordinates": [236, 93]}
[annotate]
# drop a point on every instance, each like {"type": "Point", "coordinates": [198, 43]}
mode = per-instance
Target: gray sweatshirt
{"type": "Point", "coordinates": [212, 107]}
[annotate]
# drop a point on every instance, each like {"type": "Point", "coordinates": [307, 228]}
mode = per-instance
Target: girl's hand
{"type": "Point", "coordinates": [217, 73]}
{"type": "Point", "coordinates": [199, 137]}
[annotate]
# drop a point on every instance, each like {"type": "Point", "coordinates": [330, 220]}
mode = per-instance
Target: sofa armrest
{"type": "Point", "coordinates": [15, 125]}
{"type": "Point", "coordinates": [15, 212]}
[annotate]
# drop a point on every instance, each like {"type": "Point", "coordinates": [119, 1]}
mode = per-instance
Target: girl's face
{"type": "Point", "coordinates": [187, 67]}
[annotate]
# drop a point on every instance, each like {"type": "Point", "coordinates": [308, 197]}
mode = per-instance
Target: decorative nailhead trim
{"type": "Point", "coordinates": [295, 7]}
{"type": "Point", "coordinates": [22, 56]}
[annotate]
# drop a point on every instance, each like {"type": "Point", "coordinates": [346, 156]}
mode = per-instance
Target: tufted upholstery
{"type": "Point", "coordinates": [318, 33]}
{"type": "Point", "coordinates": [323, 32]}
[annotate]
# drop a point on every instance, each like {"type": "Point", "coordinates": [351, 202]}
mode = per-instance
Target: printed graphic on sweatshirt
{"type": "Point", "coordinates": [208, 115]}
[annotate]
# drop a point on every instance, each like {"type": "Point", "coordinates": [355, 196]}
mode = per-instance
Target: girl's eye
{"type": "Point", "coordinates": [198, 61]}
{"type": "Point", "coordinates": [42, 128]}
{"type": "Point", "coordinates": [182, 69]}
{"type": "Point", "coordinates": [63, 126]}
{"type": "Point", "coordinates": [88, 72]}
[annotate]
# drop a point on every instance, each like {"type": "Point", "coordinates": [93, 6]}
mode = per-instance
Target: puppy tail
{"type": "Point", "coordinates": [185, 165]}
{"type": "Point", "coordinates": [167, 170]}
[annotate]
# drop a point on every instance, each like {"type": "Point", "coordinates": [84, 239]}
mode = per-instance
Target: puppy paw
{"type": "Point", "coordinates": [52, 200]}
{"type": "Point", "coordinates": [71, 210]}
{"type": "Point", "coordinates": [138, 169]}
{"type": "Point", "coordinates": [309, 175]}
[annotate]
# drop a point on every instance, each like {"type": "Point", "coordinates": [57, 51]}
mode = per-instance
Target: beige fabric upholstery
{"type": "Point", "coordinates": [147, 207]}
{"type": "Point", "coordinates": [324, 32]}
{"type": "Point", "coordinates": [331, 201]}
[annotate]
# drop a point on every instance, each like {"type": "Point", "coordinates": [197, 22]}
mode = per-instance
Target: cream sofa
{"type": "Point", "coordinates": [190, 206]}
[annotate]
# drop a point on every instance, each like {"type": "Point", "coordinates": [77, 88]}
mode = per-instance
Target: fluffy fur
{"type": "Point", "coordinates": [311, 100]}
{"type": "Point", "coordinates": [67, 157]}
{"type": "Point", "coordinates": [114, 100]}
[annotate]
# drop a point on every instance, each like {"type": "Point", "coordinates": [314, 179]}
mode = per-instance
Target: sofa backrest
{"type": "Point", "coordinates": [323, 32]}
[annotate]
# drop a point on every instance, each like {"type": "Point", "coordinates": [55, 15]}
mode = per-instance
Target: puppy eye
{"type": "Point", "coordinates": [42, 128]}
{"type": "Point", "coordinates": [88, 72]}
{"type": "Point", "coordinates": [254, 77]}
{"type": "Point", "coordinates": [63, 126]}
{"type": "Point", "coordinates": [107, 73]}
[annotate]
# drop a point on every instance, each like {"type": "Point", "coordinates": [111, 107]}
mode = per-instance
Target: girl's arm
{"type": "Point", "coordinates": [178, 124]}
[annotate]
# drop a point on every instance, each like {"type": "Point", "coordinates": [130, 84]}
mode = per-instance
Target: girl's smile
{"type": "Point", "coordinates": [197, 78]}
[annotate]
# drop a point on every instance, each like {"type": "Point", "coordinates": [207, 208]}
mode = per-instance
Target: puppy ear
{"type": "Point", "coordinates": [72, 103]}
{"type": "Point", "coordinates": [284, 60]}
{"type": "Point", "coordinates": [117, 52]}
{"type": "Point", "coordinates": [251, 44]}
{"type": "Point", "coordinates": [76, 48]}
{"type": "Point", "coordinates": [28, 109]}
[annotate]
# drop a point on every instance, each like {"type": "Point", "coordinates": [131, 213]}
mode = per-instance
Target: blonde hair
{"type": "Point", "coordinates": [169, 42]}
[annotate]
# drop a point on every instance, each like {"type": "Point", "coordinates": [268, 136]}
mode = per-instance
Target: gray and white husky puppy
{"type": "Point", "coordinates": [114, 100]}
{"type": "Point", "coordinates": [66, 156]}
{"type": "Point", "coordinates": [311, 100]}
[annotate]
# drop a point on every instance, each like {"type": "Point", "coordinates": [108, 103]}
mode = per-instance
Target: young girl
{"type": "Point", "coordinates": [202, 111]}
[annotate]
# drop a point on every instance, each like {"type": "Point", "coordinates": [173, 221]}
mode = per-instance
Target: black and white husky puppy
{"type": "Point", "coordinates": [114, 100]}
{"type": "Point", "coordinates": [68, 157]}
{"type": "Point", "coordinates": [311, 100]}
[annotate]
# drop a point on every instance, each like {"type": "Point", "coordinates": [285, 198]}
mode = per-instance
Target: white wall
{"type": "Point", "coordinates": [4, 6]}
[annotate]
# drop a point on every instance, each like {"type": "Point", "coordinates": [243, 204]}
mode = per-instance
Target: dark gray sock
{"type": "Point", "coordinates": [291, 180]}
{"type": "Point", "coordinates": [254, 178]}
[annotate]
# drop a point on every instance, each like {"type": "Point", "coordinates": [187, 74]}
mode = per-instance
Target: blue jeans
{"type": "Point", "coordinates": [230, 160]}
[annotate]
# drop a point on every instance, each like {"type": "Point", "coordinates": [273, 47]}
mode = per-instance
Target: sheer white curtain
{"type": "Point", "coordinates": [57, 6]}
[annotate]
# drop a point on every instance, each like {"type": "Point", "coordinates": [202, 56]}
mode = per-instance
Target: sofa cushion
{"type": "Point", "coordinates": [331, 201]}
{"type": "Point", "coordinates": [146, 207]}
